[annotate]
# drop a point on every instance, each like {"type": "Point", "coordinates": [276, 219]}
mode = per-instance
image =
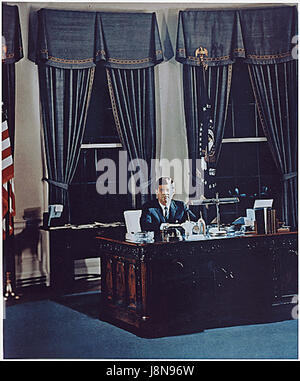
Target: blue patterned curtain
{"type": "Point", "coordinates": [133, 100]}
{"type": "Point", "coordinates": [65, 95]}
{"type": "Point", "coordinates": [276, 94]}
{"type": "Point", "coordinates": [67, 45]}
{"type": "Point", "coordinates": [263, 38]}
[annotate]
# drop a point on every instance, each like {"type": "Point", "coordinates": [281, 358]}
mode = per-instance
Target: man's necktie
{"type": "Point", "coordinates": [166, 213]}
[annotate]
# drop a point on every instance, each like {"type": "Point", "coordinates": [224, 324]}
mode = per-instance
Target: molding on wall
{"type": "Point", "coordinates": [88, 268]}
{"type": "Point", "coordinates": [245, 140]}
{"type": "Point", "coordinates": [101, 145]}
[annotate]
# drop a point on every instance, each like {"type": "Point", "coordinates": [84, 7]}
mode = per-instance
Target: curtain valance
{"type": "Point", "coordinates": [75, 39]}
{"type": "Point", "coordinates": [216, 31]}
{"type": "Point", "coordinates": [259, 35]}
{"type": "Point", "coordinates": [11, 32]}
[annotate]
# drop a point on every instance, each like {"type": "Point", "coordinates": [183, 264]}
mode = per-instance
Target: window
{"type": "Point", "coordinates": [246, 168]}
{"type": "Point", "coordinates": [100, 141]}
{"type": "Point", "coordinates": [100, 125]}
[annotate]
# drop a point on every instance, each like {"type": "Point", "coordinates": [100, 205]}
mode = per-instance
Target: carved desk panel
{"type": "Point", "coordinates": [159, 288]}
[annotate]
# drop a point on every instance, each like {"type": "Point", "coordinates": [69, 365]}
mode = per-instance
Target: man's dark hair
{"type": "Point", "coordinates": [163, 181]}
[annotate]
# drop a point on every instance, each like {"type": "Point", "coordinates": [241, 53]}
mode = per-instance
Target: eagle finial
{"type": "Point", "coordinates": [200, 53]}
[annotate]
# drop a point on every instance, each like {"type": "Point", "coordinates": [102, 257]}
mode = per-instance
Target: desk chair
{"type": "Point", "coordinates": [132, 221]}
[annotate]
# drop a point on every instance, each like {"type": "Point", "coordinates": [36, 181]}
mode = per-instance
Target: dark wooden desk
{"type": "Point", "coordinates": [160, 288]}
{"type": "Point", "coordinates": [66, 245]}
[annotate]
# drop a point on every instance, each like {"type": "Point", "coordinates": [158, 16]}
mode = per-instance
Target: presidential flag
{"type": "Point", "coordinates": [207, 139]}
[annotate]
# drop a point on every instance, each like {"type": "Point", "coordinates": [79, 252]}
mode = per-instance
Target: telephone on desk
{"type": "Point", "coordinates": [188, 231]}
{"type": "Point", "coordinates": [51, 218]}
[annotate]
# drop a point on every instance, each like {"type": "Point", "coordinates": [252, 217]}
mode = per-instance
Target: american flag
{"type": "Point", "coordinates": [8, 196]}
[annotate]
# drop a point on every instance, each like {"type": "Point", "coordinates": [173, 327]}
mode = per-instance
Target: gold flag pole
{"type": "Point", "coordinates": [8, 288]}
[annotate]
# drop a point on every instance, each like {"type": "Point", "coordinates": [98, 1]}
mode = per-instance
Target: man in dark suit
{"type": "Point", "coordinates": [164, 209]}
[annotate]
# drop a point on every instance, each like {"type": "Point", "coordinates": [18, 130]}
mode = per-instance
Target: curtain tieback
{"type": "Point", "coordinates": [57, 183]}
{"type": "Point", "coordinates": [288, 176]}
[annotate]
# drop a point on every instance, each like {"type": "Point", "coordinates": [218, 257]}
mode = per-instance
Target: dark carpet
{"type": "Point", "coordinates": [67, 328]}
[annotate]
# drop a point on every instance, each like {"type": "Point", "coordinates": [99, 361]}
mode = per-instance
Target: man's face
{"type": "Point", "coordinates": [165, 193]}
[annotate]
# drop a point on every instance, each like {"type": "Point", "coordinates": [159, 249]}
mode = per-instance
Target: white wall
{"type": "Point", "coordinates": [171, 137]}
